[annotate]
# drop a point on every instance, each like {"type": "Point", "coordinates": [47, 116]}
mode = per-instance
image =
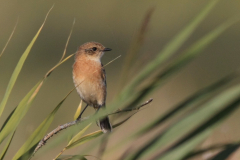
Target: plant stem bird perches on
{"type": "Point", "coordinates": [69, 124]}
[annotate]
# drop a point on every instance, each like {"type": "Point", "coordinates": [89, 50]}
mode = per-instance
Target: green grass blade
{"type": "Point", "coordinates": [78, 111]}
{"type": "Point", "coordinates": [10, 37]}
{"type": "Point", "coordinates": [201, 151]}
{"type": "Point", "coordinates": [135, 47]}
{"type": "Point", "coordinates": [18, 68]}
{"type": "Point", "coordinates": [72, 143]}
{"type": "Point", "coordinates": [28, 148]}
{"type": "Point", "coordinates": [78, 140]}
{"type": "Point", "coordinates": [193, 99]}
{"type": "Point", "coordinates": [19, 112]}
{"type": "Point", "coordinates": [9, 116]}
{"type": "Point", "coordinates": [226, 153]}
{"type": "Point", "coordinates": [93, 145]}
{"type": "Point", "coordinates": [204, 112]}
{"type": "Point", "coordinates": [127, 95]}
{"type": "Point", "coordinates": [196, 98]}
{"type": "Point", "coordinates": [71, 157]}
{"type": "Point", "coordinates": [114, 126]}
{"type": "Point", "coordinates": [4, 151]}
{"type": "Point", "coordinates": [66, 45]}
{"type": "Point", "coordinates": [25, 104]}
{"type": "Point", "coordinates": [183, 150]}
{"type": "Point", "coordinates": [188, 55]}
{"type": "Point", "coordinates": [173, 46]}
{"type": "Point", "coordinates": [39, 133]}
{"type": "Point", "coordinates": [86, 138]}
{"type": "Point", "coordinates": [183, 60]}
{"type": "Point", "coordinates": [191, 140]}
{"type": "Point", "coordinates": [28, 154]}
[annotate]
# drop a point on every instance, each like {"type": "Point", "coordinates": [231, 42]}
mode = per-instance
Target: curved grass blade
{"type": "Point", "coordinates": [9, 116]}
{"type": "Point", "coordinates": [87, 138]}
{"type": "Point", "coordinates": [78, 111]}
{"type": "Point", "coordinates": [76, 157]}
{"type": "Point", "coordinates": [195, 49]}
{"type": "Point", "coordinates": [78, 140]}
{"type": "Point", "coordinates": [28, 154]}
{"type": "Point", "coordinates": [20, 112]}
{"type": "Point", "coordinates": [19, 67]}
{"type": "Point", "coordinates": [205, 112]}
{"type": "Point", "coordinates": [202, 151]}
{"type": "Point", "coordinates": [96, 134]}
{"type": "Point", "coordinates": [72, 142]}
{"type": "Point", "coordinates": [183, 150]}
{"type": "Point", "coordinates": [50, 71]}
{"type": "Point", "coordinates": [127, 95]}
{"type": "Point", "coordinates": [72, 157]}
{"type": "Point", "coordinates": [227, 152]}
{"type": "Point", "coordinates": [114, 126]}
{"type": "Point", "coordinates": [66, 45]}
{"type": "Point", "coordinates": [62, 60]}
{"type": "Point", "coordinates": [24, 105]}
{"type": "Point", "coordinates": [193, 99]}
{"type": "Point", "coordinates": [4, 151]}
{"type": "Point", "coordinates": [39, 133]}
{"type": "Point", "coordinates": [198, 96]}
{"type": "Point", "coordinates": [75, 138]}
{"type": "Point", "coordinates": [135, 47]}
{"type": "Point", "coordinates": [170, 48]}
{"type": "Point", "coordinates": [26, 149]}
{"type": "Point", "coordinates": [10, 37]}
{"type": "Point", "coordinates": [192, 139]}
{"type": "Point", "coordinates": [183, 60]}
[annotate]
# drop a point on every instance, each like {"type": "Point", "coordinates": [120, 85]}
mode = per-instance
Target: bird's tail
{"type": "Point", "coordinates": [105, 125]}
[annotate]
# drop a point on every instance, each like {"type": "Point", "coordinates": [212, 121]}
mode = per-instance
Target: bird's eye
{"type": "Point", "coordinates": [94, 48]}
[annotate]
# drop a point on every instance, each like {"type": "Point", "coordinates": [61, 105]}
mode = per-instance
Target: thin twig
{"type": "Point", "coordinates": [9, 38]}
{"type": "Point", "coordinates": [132, 109]}
{"type": "Point", "coordinates": [64, 52]}
{"type": "Point", "coordinates": [66, 45]}
{"type": "Point", "coordinates": [66, 125]}
{"type": "Point", "coordinates": [56, 131]}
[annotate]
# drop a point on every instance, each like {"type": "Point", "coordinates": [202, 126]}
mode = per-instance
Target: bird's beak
{"type": "Point", "coordinates": [107, 49]}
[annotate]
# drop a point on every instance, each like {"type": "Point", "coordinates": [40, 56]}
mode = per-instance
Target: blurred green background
{"type": "Point", "coordinates": [114, 24]}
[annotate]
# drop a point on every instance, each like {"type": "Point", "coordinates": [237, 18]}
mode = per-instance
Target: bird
{"type": "Point", "coordinates": [89, 78]}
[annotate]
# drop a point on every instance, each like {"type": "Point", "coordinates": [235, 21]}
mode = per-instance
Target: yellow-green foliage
{"type": "Point", "coordinates": [198, 115]}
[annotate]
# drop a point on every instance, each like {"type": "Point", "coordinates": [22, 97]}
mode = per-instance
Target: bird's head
{"type": "Point", "coordinates": [93, 50]}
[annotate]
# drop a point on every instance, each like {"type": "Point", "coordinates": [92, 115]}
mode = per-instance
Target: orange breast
{"type": "Point", "coordinates": [89, 80]}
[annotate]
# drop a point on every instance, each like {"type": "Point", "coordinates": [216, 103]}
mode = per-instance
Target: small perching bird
{"type": "Point", "coordinates": [89, 78]}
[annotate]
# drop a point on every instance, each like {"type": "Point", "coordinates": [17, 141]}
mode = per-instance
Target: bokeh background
{"type": "Point", "coordinates": [114, 24]}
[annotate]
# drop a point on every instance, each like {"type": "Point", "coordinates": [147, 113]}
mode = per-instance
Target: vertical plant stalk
{"type": "Point", "coordinates": [64, 52]}
{"type": "Point", "coordinates": [135, 47]}
{"type": "Point", "coordinates": [10, 37]}
{"type": "Point", "coordinates": [65, 49]}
